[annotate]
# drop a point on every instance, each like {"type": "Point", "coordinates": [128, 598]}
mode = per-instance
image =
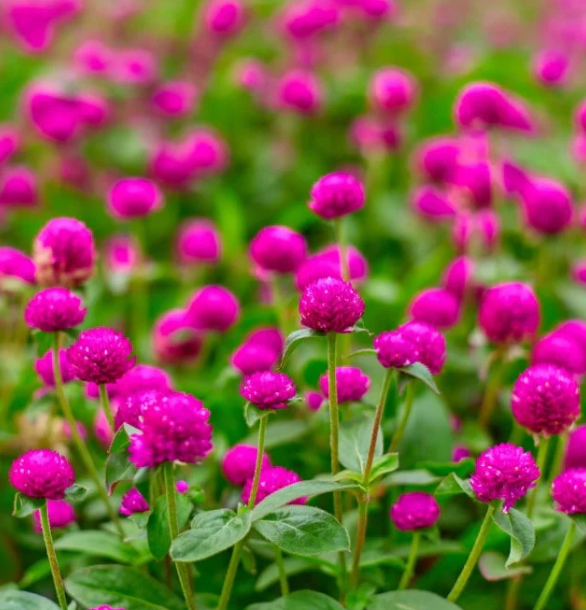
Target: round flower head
{"type": "Point", "coordinates": [44, 368]}
{"type": "Point", "coordinates": [351, 384]}
{"type": "Point", "coordinates": [460, 452]}
{"type": "Point", "coordinates": [207, 152]}
{"type": "Point", "coordinates": [457, 277]}
{"type": "Point", "coordinates": [133, 502]}
{"type": "Point", "coordinates": [239, 463]}
{"type": "Point", "coordinates": [64, 253]}
{"type": "Point", "coordinates": [41, 473]}
{"type": "Point", "coordinates": [61, 514]}
{"type": "Point", "coordinates": [253, 357]}
{"type": "Point", "coordinates": [54, 309]}
{"type": "Point", "coordinates": [9, 142]}
{"type": "Point", "coordinates": [547, 206]}
{"type": "Point", "coordinates": [300, 92]}
{"type": "Point", "coordinates": [101, 355]}
{"type": "Point", "coordinates": [268, 390]}
{"type": "Point", "coordinates": [337, 194]}
{"type": "Point", "coordinates": [278, 249]}
{"type": "Point", "coordinates": [270, 481]}
{"type": "Point", "coordinates": [330, 305]}
{"type": "Point", "coordinates": [174, 339]}
{"type": "Point", "coordinates": [18, 187]}
{"type": "Point", "coordinates": [357, 263]}
{"type": "Point", "coordinates": [569, 492]}
{"type": "Point", "coordinates": [121, 254]}
{"type": "Point", "coordinates": [327, 264]}
{"type": "Point", "coordinates": [393, 350]}
{"type": "Point", "coordinates": [130, 406]}
{"type": "Point", "coordinates": [437, 159]}
{"type": "Point", "coordinates": [224, 17]}
{"type": "Point", "coordinates": [576, 329]}
{"type": "Point", "coordinates": [393, 90]}
{"type": "Point", "coordinates": [213, 308]}
{"type": "Point", "coordinates": [575, 456]}
{"type": "Point", "coordinates": [314, 400]}
{"type": "Point", "coordinates": [433, 204]}
{"type": "Point", "coordinates": [268, 336]}
{"type": "Point", "coordinates": [509, 312]}
{"type": "Point", "coordinates": [550, 67]}
{"type": "Point", "coordinates": [143, 377]}
{"type": "Point", "coordinates": [198, 241]}
{"type": "Point", "coordinates": [436, 306]}
{"type": "Point", "coordinates": [174, 98]}
{"type": "Point", "coordinates": [415, 511]}
{"type": "Point", "coordinates": [92, 57]}
{"type": "Point", "coordinates": [174, 429]}
{"type": "Point", "coordinates": [429, 343]}
{"type": "Point", "coordinates": [14, 263]}
{"type": "Point", "coordinates": [133, 67]}
{"type": "Point", "coordinates": [134, 197]}
{"type": "Point", "coordinates": [102, 430]}
{"type": "Point", "coordinates": [562, 350]}
{"type": "Point", "coordinates": [182, 487]}
{"type": "Point", "coordinates": [306, 18]}
{"type": "Point", "coordinates": [545, 399]}
{"type": "Point", "coordinates": [504, 472]}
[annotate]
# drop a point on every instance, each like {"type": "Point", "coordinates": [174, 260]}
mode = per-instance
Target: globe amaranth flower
{"type": "Point", "coordinates": [351, 384]}
{"type": "Point", "coordinates": [460, 452]}
{"type": "Point", "coordinates": [142, 377]}
{"type": "Point", "coordinates": [270, 481]}
{"type": "Point", "coordinates": [330, 305]}
{"type": "Point", "coordinates": [61, 514]}
{"type": "Point", "coordinates": [44, 368]}
{"type": "Point", "coordinates": [106, 608]}
{"type": "Point", "coordinates": [327, 263]}
{"type": "Point", "coordinates": [569, 492]}
{"type": "Point", "coordinates": [251, 358]}
{"type": "Point", "coordinates": [504, 472]}
{"type": "Point", "coordinates": [182, 487]}
{"type": "Point", "coordinates": [575, 456]}
{"type": "Point", "coordinates": [433, 204]}
{"type": "Point", "coordinates": [239, 463]}
{"type": "Point", "coordinates": [133, 502]}
{"type": "Point", "coordinates": [300, 91]}
{"type": "Point", "coordinates": [101, 355]}
{"type": "Point", "coordinates": [437, 159]}
{"type": "Point", "coordinates": [129, 407]}
{"type": "Point", "coordinates": [18, 188]}
{"type": "Point", "coordinates": [436, 306]}
{"type": "Point", "coordinates": [16, 264]}
{"type": "Point", "coordinates": [54, 309]}
{"type": "Point", "coordinates": [413, 511]}
{"type": "Point", "coordinates": [561, 349]}
{"type": "Point", "coordinates": [457, 277]}
{"type": "Point", "coordinates": [337, 194]}
{"type": "Point", "coordinates": [174, 339]}
{"type": "Point", "coordinates": [550, 67]}
{"type": "Point", "coordinates": [429, 344]}
{"type": "Point", "coordinates": [198, 242]}
{"type": "Point", "coordinates": [176, 428]}
{"type": "Point", "coordinates": [42, 473]}
{"type": "Point", "coordinates": [509, 312]}
{"type": "Point", "coordinates": [174, 98]}
{"type": "Point", "coordinates": [393, 350]}
{"type": "Point", "coordinates": [267, 336]}
{"type": "Point", "coordinates": [268, 390]}
{"type": "Point", "coordinates": [213, 308]}
{"type": "Point", "coordinates": [547, 206]}
{"type": "Point", "coordinates": [121, 254]}
{"type": "Point", "coordinates": [393, 91]}
{"type": "Point", "coordinates": [64, 253]}
{"type": "Point", "coordinates": [224, 18]}
{"type": "Point", "coordinates": [134, 198]}
{"type": "Point", "coordinates": [279, 249]}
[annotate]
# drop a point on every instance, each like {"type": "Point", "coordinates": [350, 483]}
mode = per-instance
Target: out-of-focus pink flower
{"type": "Point", "coordinates": [224, 18]}
{"type": "Point", "coordinates": [303, 19]}
{"type": "Point", "coordinates": [393, 91]}
{"type": "Point", "coordinates": [551, 67]}
{"type": "Point", "coordinates": [437, 159]}
{"type": "Point", "coordinates": [133, 67]}
{"type": "Point", "coordinates": [436, 306]}
{"type": "Point", "coordinates": [134, 198]}
{"type": "Point", "coordinates": [174, 339]}
{"type": "Point", "coordinates": [314, 400]}
{"type": "Point", "coordinates": [278, 249]}
{"type": "Point", "coordinates": [174, 98]}
{"type": "Point", "coordinates": [198, 242]}
{"type": "Point", "coordinates": [9, 142]}
{"type": "Point", "coordinates": [457, 277]}
{"type": "Point", "coordinates": [213, 308]}
{"type": "Point", "coordinates": [93, 57]}
{"type": "Point", "coordinates": [300, 91]}
{"type": "Point", "coordinates": [547, 206]}
{"type": "Point", "coordinates": [121, 254]}
{"type": "Point", "coordinates": [18, 187]}
{"type": "Point", "coordinates": [374, 134]}
{"type": "Point", "coordinates": [16, 264]}
{"type": "Point", "coordinates": [433, 204]}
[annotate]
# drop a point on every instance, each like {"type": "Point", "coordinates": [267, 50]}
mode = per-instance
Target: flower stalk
{"type": "Point", "coordinates": [52, 556]}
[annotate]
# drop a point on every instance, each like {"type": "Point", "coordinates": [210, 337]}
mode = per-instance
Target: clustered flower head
{"type": "Point", "coordinates": [429, 343]}
{"type": "Point", "coordinates": [175, 341]}
{"type": "Point", "coordinates": [569, 492]}
{"type": "Point", "coordinates": [130, 406]}
{"type": "Point", "coordinates": [395, 351]}
{"type": "Point", "coordinates": [101, 355]}
{"type": "Point", "coordinates": [133, 502]}
{"type": "Point", "coordinates": [351, 384]}
{"type": "Point", "coordinates": [575, 456]}
{"type": "Point", "coordinates": [134, 197]}
{"type": "Point", "coordinates": [436, 306]}
{"type": "Point", "coordinates": [415, 511]}
{"type": "Point", "coordinates": [504, 472]}
{"type": "Point", "coordinates": [270, 481]}
{"type": "Point", "coordinates": [545, 399]}
{"type": "Point", "coordinates": [198, 242]}
{"type": "Point", "coordinates": [337, 194]}
{"type": "Point", "coordinates": [45, 371]}
{"type": "Point", "coordinates": [61, 514]}
{"type": "Point", "coordinates": [562, 349]}
{"type": "Point", "coordinates": [268, 390]}
{"type": "Point", "coordinates": [278, 249]}
{"type": "Point", "coordinates": [54, 309]}
{"type": "Point", "coordinates": [42, 473]}
{"type": "Point", "coordinates": [239, 463]}
{"type": "Point", "coordinates": [142, 377]}
{"type": "Point", "coordinates": [213, 308]}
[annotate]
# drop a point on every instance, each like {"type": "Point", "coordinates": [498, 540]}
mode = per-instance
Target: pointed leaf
{"type": "Point", "coordinates": [75, 493]}
{"type": "Point", "coordinates": [385, 464]}
{"type": "Point", "coordinates": [24, 506]}
{"type": "Point", "coordinates": [300, 600]}
{"type": "Point", "coordinates": [21, 600]}
{"type": "Point", "coordinates": [293, 341]}
{"type": "Point", "coordinates": [521, 531]}
{"type": "Point", "coordinates": [421, 372]}
{"type": "Point", "coordinates": [158, 533]}
{"type": "Point", "coordinates": [492, 566]}
{"type": "Point", "coordinates": [453, 485]}
{"type": "Point", "coordinates": [355, 435]}
{"type": "Point", "coordinates": [411, 600]}
{"type": "Point", "coordinates": [118, 468]}
{"type": "Point", "coordinates": [97, 543]}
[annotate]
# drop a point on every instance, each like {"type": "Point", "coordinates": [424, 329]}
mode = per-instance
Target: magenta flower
{"type": "Point", "coordinates": [437, 159]}
{"type": "Point", "coordinates": [133, 502]}
{"type": "Point", "coordinates": [278, 249]}
{"type": "Point", "coordinates": [335, 195]}
{"type": "Point", "coordinates": [460, 452]}
{"type": "Point", "coordinates": [41, 473]}
{"type": "Point", "coordinates": [267, 336]}
{"type": "Point", "coordinates": [61, 514]}
{"type": "Point", "coordinates": [253, 357]}
{"type": "Point", "coordinates": [9, 142]}
{"type": "Point", "coordinates": [433, 204]}
{"type": "Point", "coordinates": [121, 254]}
{"type": "Point", "coordinates": [198, 242]}
{"type": "Point", "coordinates": [457, 277]}
{"type": "Point", "coordinates": [393, 350]}
{"type": "Point", "coordinates": [101, 355]}
{"type": "Point", "coordinates": [561, 349]}
{"type": "Point", "coordinates": [106, 608]}
{"type": "Point", "coordinates": [575, 456]}
{"type": "Point", "coordinates": [133, 67]}
{"type": "Point", "coordinates": [270, 481]}
{"type": "Point", "coordinates": [239, 463]}
{"type": "Point", "coordinates": [224, 18]}
{"type": "Point", "coordinates": [134, 198]}
{"type": "Point", "coordinates": [306, 18]}
{"type": "Point", "coordinates": [327, 263]}
{"type": "Point", "coordinates": [429, 343]}
{"type": "Point", "coordinates": [436, 306]}
{"type": "Point", "coordinates": [54, 309]}
{"type": "Point", "coordinates": [547, 206]}
{"type": "Point", "coordinates": [131, 406]}
{"type": "Point", "coordinates": [300, 92]}
{"type": "Point", "coordinates": [143, 377]}
{"type": "Point", "coordinates": [393, 91]}
{"type": "Point", "coordinates": [213, 308]}
{"type": "Point", "coordinates": [504, 472]}
{"type": "Point", "coordinates": [14, 263]}
{"type": "Point", "coordinates": [18, 187]}
{"type": "Point", "coordinates": [268, 390]}
{"type": "Point", "coordinates": [351, 384]}
{"type": "Point", "coordinates": [569, 492]}
{"type": "Point", "coordinates": [314, 400]}
{"type": "Point", "coordinates": [550, 67]}
{"type": "Point", "coordinates": [44, 368]}
{"type": "Point", "coordinates": [92, 57]}
{"type": "Point", "coordinates": [415, 511]}
{"type": "Point", "coordinates": [175, 341]}
{"type": "Point", "coordinates": [174, 98]}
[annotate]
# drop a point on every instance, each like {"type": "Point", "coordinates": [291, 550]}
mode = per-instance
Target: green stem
{"type": "Point", "coordinates": [105, 401]}
{"type": "Point", "coordinates": [557, 568]}
{"type": "Point", "coordinates": [558, 460]}
{"type": "Point", "coordinates": [360, 538]}
{"type": "Point", "coordinates": [262, 430]}
{"type": "Point", "coordinates": [339, 231]}
{"type": "Point", "coordinates": [282, 574]}
{"type": "Point", "coordinates": [410, 567]}
{"type": "Point", "coordinates": [52, 556]}
{"type": "Point", "coordinates": [472, 560]}
{"type": "Point", "coordinates": [171, 496]}
{"type": "Point", "coordinates": [541, 461]}
{"type": "Point", "coordinates": [491, 393]}
{"type": "Point", "coordinates": [230, 576]}
{"type": "Point", "coordinates": [81, 447]}
{"type": "Point", "coordinates": [407, 408]}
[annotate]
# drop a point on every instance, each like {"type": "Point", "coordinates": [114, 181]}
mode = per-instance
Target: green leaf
{"type": "Point", "coordinates": [463, 468]}
{"type": "Point", "coordinates": [411, 477]}
{"type": "Point", "coordinates": [492, 566]}
{"type": "Point", "coordinates": [453, 485]}
{"type": "Point", "coordinates": [300, 600]}
{"type": "Point", "coordinates": [97, 543]}
{"type": "Point", "coordinates": [292, 566]}
{"type": "Point", "coordinates": [384, 464]}
{"type": "Point", "coordinates": [521, 531]}
{"type": "Point", "coordinates": [355, 435]}
{"type": "Point", "coordinates": [44, 342]}
{"type": "Point", "coordinates": [293, 341]}
{"type": "Point", "coordinates": [253, 414]}
{"type": "Point", "coordinates": [75, 493]}
{"type": "Point", "coordinates": [24, 506]}
{"type": "Point", "coordinates": [119, 468]}
{"type": "Point", "coordinates": [411, 600]}
{"type": "Point", "coordinates": [121, 439]}
{"type": "Point", "coordinates": [304, 530]}
{"type": "Point", "coordinates": [21, 600]}
{"type": "Point", "coordinates": [376, 557]}
{"type": "Point", "coordinates": [349, 475]}
{"type": "Point", "coordinates": [120, 587]}
{"type": "Point", "coordinates": [421, 372]}
{"type": "Point", "coordinates": [158, 534]}
{"type": "Point", "coordinates": [212, 532]}
{"type": "Point", "coordinates": [580, 521]}
{"type": "Point", "coordinates": [368, 351]}
{"type": "Point", "coordinates": [294, 492]}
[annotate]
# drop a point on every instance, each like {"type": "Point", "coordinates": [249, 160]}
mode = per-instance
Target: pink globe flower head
{"type": "Point", "coordinates": [268, 390]}
{"type": "Point", "coordinates": [131, 406]}
{"type": "Point", "coordinates": [429, 343]}
{"type": "Point", "coordinates": [330, 305]}
{"type": "Point", "coordinates": [174, 429]}
{"type": "Point", "coordinates": [437, 159]}
{"type": "Point", "coordinates": [489, 227]}
{"type": "Point", "coordinates": [31, 23]}
{"type": "Point", "coordinates": [509, 312]}
{"type": "Point", "coordinates": [143, 377]}
{"type": "Point", "coordinates": [198, 242]}
{"type": "Point", "coordinates": [18, 187]}
{"type": "Point", "coordinates": [547, 206]}
{"type": "Point", "coordinates": [569, 492]}
{"type": "Point", "coordinates": [327, 263]}
{"type": "Point", "coordinates": [580, 117]}
{"type": "Point", "coordinates": [174, 99]}
{"type": "Point", "coordinates": [41, 473]}
{"type": "Point", "coordinates": [436, 306]}
{"type": "Point", "coordinates": [504, 472]}
{"type": "Point", "coordinates": [374, 10]}
{"type": "Point", "coordinates": [64, 253]}
{"type": "Point", "coordinates": [372, 134]}
{"type": "Point", "coordinates": [61, 514]}
{"type": "Point", "coordinates": [414, 511]}
{"type": "Point", "coordinates": [545, 399]}
{"type": "Point", "coordinates": [314, 401]}
{"type": "Point", "coordinates": [457, 277]}
{"type": "Point", "coordinates": [101, 355]}
{"type": "Point", "coordinates": [252, 76]}
{"type": "Point", "coordinates": [579, 272]}
{"type": "Point", "coordinates": [213, 308]}
{"type": "Point", "coordinates": [121, 254]}
{"type": "Point", "coordinates": [551, 67]}
{"type": "Point", "coordinates": [460, 452]}
{"type": "Point", "coordinates": [351, 384]}
{"type": "Point", "coordinates": [575, 456]}
{"type": "Point", "coordinates": [575, 329]}
{"type": "Point", "coordinates": [279, 249]}
{"type": "Point", "coordinates": [224, 18]}
{"type": "Point", "coordinates": [432, 204]}
{"type": "Point", "coordinates": [93, 57]}
{"type": "Point", "coordinates": [44, 368]}
{"type": "Point", "coordinates": [267, 336]}
{"type": "Point", "coordinates": [304, 19]}
{"type": "Point", "coordinates": [476, 183]}
{"type": "Point", "coordinates": [300, 92]}
{"type": "Point", "coordinates": [171, 164]}
{"type": "Point", "coordinates": [562, 350]}
{"type": "Point", "coordinates": [393, 350]}
{"type": "Point", "coordinates": [133, 67]}
{"type": "Point", "coordinates": [253, 357]}
{"type": "Point", "coordinates": [175, 341]}
{"type": "Point", "coordinates": [54, 309]}
{"type": "Point", "coordinates": [207, 152]}
{"type": "Point", "coordinates": [239, 463]}
{"type": "Point", "coordinates": [515, 178]}
{"type": "Point", "coordinates": [16, 264]}
{"type": "Point", "coordinates": [9, 142]}
{"type": "Point", "coordinates": [94, 109]}
{"type": "Point", "coordinates": [182, 487]}
{"type": "Point", "coordinates": [270, 481]}
{"type": "Point", "coordinates": [357, 263]}
{"type": "Point", "coordinates": [102, 430]}
{"type": "Point", "coordinates": [133, 502]}
{"type": "Point", "coordinates": [134, 198]}
{"type": "Point", "coordinates": [393, 91]}
{"type": "Point", "coordinates": [337, 194]}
